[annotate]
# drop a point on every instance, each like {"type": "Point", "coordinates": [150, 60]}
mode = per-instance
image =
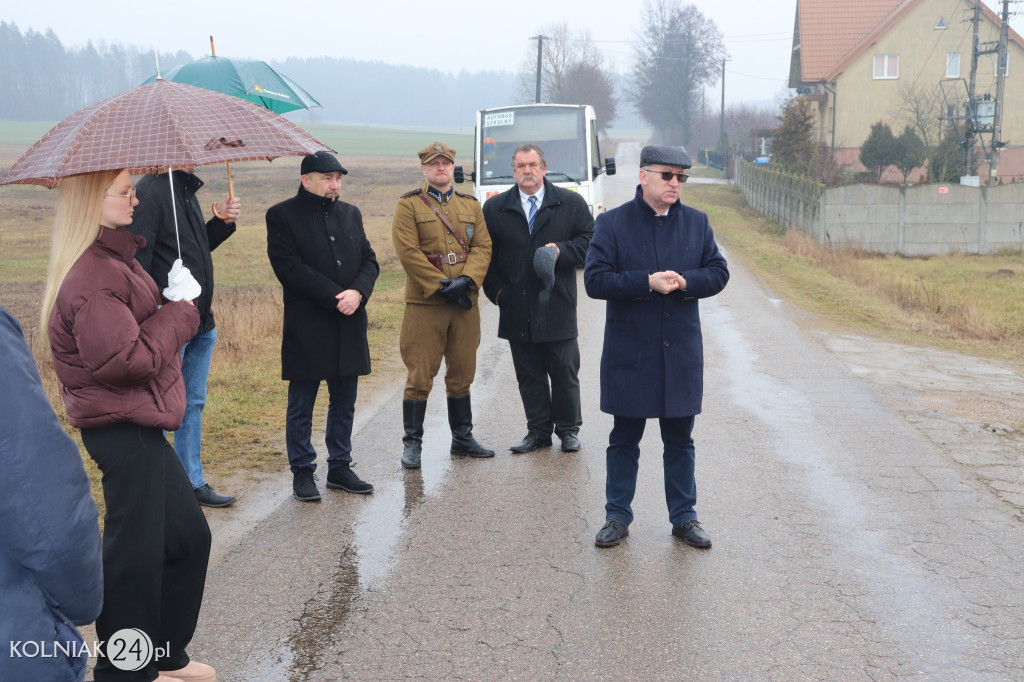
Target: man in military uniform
{"type": "Point", "coordinates": [442, 242]}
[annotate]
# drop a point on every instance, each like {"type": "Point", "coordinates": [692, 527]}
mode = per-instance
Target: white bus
{"type": "Point", "coordinates": [566, 132]}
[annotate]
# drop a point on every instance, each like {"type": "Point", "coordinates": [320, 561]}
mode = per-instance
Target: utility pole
{"type": "Point", "coordinates": [972, 109]}
{"type": "Point", "coordinates": [997, 123]}
{"type": "Point", "coordinates": [540, 61]}
{"type": "Point", "coordinates": [721, 118]}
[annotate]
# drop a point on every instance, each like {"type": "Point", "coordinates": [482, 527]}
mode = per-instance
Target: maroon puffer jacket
{"type": "Point", "coordinates": [115, 349]}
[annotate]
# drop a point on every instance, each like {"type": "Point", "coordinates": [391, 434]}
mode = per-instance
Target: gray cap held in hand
{"type": "Point", "coordinates": [544, 260]}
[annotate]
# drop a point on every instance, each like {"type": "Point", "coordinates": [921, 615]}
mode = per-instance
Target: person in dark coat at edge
{"type": "Point", "coordinates": [51, 571]}
{"type": "Point", "coordinates": [155, 220]}
{"type": "Point", "coordinates": [319, 252]}
{"type": "Point", "coordinates": [539, 230]}
{"type": "Point", "coordinates": [652, 259]}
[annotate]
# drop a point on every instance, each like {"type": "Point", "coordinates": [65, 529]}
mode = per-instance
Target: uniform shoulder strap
{"type": "Point", "coordinates": [447, 225]}
{"type": "Point", "coordinates": [413, 193]}
{"type": "Point", "coordinates": [466, 196]}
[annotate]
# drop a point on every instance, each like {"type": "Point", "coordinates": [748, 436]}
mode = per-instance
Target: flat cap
{"type": "Point", "coordinates": [322, 162]}
{"type": "Point", "coordinates": [432, 151]}
{"type": "Point", "coordinates": [664, 156]}
{"type": "Point", "coordinates": [544, 260]}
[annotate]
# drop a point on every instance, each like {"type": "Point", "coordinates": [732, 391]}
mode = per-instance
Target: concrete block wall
{"type": "Point", "coordinates": [912, 221]}
{"type": "Point", "coordinates": [788, 200]}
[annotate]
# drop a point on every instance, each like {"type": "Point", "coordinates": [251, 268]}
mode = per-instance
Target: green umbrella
{"type": "Point", "coordinates": [249, 79]}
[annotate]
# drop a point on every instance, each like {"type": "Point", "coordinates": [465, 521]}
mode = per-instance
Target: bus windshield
{"type": "Point", "coordinates": [559, 131]}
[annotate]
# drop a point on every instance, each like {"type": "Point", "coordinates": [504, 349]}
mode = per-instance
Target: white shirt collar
{"type": "Point", "coordinates": [525, 198]}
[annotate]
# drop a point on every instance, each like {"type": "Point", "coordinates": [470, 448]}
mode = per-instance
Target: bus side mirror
{"type": "Point", "coordinates": [609, 165]}
{"type": "Point", "coordinates": [460, 175]}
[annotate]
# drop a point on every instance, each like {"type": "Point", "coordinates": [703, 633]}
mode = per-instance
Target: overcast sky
{"type": "Point", "coordinates": [475, 36]}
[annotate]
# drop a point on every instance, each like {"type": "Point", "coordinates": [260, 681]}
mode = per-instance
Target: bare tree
{"type": "Point", "coordinates": [741, 119]}
{"type": "Point", "coordinates": [920, 107]}
{"type": "Point", "coordinates": [679, 52]}
{"type": "Point", "coordinates": [572, 72]}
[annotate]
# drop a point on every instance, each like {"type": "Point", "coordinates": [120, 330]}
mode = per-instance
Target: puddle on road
{"type": "Point", "coordinates": [906, 603]}
{"type": "Point", "coordinates": [321, 619]}
{"type": "Point", "coordinates": [366, 561]}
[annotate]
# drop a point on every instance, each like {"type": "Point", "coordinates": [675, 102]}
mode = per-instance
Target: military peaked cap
{"type": "Point", "coordinates": [431, 152]}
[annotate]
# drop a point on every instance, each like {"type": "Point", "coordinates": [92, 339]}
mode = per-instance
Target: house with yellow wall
{"type": "Point", "coordinates": [903, 62]}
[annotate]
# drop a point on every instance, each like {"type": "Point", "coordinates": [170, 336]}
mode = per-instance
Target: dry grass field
{"type": "Point", "coordinates": [244, 419]}
{"type": "Point", "coordinates": [974, 304]}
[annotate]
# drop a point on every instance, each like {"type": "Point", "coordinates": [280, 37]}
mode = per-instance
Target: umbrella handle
{"type": "Point", "coordinates": [231, 193]}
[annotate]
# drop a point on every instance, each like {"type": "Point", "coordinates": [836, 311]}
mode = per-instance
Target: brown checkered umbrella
{"type": "Point", "coordinates": [156, 127]}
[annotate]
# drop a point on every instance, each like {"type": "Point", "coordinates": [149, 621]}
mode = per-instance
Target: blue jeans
{"type": "Point", "coordinates": [188, 439]}
{"type": "Point", "coordinates": [299, 422]}
{"type": "Point", "coordinates": [623, 460]}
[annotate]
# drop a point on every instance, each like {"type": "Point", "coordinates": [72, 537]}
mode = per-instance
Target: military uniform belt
{"type": "Point", "coordinates": [451, 258]}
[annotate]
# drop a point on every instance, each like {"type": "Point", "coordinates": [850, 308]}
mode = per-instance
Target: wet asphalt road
{"type": "Point", "coordinates": [847, 544]}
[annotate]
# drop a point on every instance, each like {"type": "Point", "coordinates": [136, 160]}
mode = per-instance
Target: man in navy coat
{"type": "Point", "coordinates": [652, 259]}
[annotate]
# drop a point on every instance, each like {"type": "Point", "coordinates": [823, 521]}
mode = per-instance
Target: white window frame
{"type": "Point", "coordinates": [885, 61]}
{"type": "Point", "coordinates": [953, 65]}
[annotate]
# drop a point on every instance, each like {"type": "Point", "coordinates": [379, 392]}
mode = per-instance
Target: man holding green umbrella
{"type": "Point", "coordinates": [193, 238]}
{"type": "Point", "coordinates": [168, 224]}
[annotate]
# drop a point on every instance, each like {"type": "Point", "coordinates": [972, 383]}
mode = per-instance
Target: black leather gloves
{"type": "Point", "coordinates": [457, 291]}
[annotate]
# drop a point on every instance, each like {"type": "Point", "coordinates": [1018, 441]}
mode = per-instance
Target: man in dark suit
{"type": "Point", "coordinates": [652, 259]}
{"type": "Point", "coordinates": [539, 234]}
{"type": "Point", "coordinates": [320, 253]}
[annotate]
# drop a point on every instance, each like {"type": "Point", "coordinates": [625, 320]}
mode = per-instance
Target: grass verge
{"type": "Point", "coordinates": [973, 304]}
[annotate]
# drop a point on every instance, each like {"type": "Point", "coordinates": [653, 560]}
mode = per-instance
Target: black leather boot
{"type": "Point", "coordinates": [460, 417]}
{"type": "Point", "coordinates": [413, 412]}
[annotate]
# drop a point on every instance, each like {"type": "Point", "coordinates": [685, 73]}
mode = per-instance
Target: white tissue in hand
{"type": "Point", "coordinates": [181, 285]}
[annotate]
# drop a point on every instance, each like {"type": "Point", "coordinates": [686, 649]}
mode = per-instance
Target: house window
{"type": "Point", "coordinates": [953, 65]}
{"type": "Point", "coordinates": [995, 67]}
{"type": "Point", "coordinates": [887, 66]}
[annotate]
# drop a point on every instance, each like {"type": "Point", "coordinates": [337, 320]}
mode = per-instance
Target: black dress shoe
{"type": "Point", "coordinates": [692, 534]}
{"type": "Point", "coordinates": [530, 443]}
{"type": "Point", "coordinates": [304, 487]}
{"type": "Point", "coordinates": [343, 478]}
{"type": "Point", "coordinates": [208, 497]}
{"type": "Point", "coordinates": [570, 443]}
{"type": "Point", "coordinates": [611, 534]}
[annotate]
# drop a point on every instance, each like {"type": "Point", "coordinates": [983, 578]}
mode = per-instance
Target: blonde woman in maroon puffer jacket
{"type": "Point", "coordinates": [115, 343]}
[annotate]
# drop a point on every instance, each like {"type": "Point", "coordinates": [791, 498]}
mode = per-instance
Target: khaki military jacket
{"type": "Point", "coordinates": [417, 231]}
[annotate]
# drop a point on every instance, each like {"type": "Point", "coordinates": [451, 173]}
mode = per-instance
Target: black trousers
{"type": "Point", "coordinates": [298, 426]}
{"type": "Point", "coordinates": [156, 545]}
{"type": "Point", "coordinates": [548, 376]}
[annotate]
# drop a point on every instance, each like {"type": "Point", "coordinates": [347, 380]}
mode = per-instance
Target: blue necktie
{"type": "Point", "coordinates": [533, 212]}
